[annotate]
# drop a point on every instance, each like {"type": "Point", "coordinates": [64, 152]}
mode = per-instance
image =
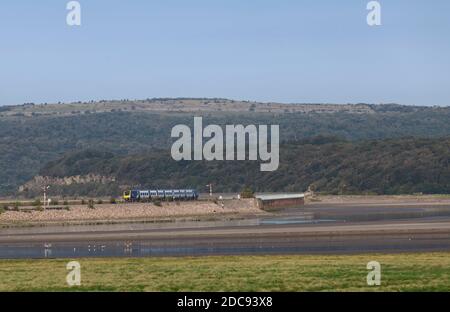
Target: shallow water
{"type": "Point", "coordinates": [216, 247]}
{"type": "Point", "coordinates": [327, 245]}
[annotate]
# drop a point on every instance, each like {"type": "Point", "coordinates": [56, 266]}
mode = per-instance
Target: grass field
{"type": "Point", "coordinates": [400, 272]}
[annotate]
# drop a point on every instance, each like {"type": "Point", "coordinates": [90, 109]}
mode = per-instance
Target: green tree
{"type": "Point", "coordinates": [247, 193]}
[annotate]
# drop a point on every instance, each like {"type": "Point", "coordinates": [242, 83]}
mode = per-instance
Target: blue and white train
{"type": "Point", "coordinates": [148, 195]}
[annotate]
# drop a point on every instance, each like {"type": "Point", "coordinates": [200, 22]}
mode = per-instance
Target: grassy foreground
{"type": "Point", "coordinates": [400, 272]}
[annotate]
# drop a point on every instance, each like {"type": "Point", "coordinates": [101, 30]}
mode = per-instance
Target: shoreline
{"type": "Point", "coordinates": [171, 212]}
{"type": "Point", "coordinates": [186, 218]}
{"type": "Point", "coordinates": [132, 213]}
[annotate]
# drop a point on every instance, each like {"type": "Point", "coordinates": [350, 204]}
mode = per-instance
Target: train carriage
{"type": "Point", "coordinates": [168, 194]}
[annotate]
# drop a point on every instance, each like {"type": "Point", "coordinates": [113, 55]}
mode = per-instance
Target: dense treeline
{"type": "Point", "coordinates": [399, 166]}
{"type": "Point", "coordinates": [29, 143]}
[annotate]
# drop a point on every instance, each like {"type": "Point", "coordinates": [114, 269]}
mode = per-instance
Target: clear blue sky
{"type": "Point", "coordinates": [277, 50]}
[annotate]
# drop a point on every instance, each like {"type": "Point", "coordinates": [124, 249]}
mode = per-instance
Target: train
{"type": "Point", "coordinates": [149, 195]}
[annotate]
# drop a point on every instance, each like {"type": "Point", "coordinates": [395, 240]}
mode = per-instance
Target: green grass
{"type": "Point", "coordinates": [400, 272]}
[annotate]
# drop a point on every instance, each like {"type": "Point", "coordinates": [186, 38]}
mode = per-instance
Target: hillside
{"type": "Point", "coordinates": [401, 166]}
{"type": "Point", "coordinates": [178, 105]}
{"type": "Point", "coordinates": [33, 135]}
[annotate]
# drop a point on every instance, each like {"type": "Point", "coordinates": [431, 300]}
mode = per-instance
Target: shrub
{"type": "Point", "coordinates": [157, 203]}
{"type": "Point", "coordinates": [112, 200]}
{"type": "Point", "coordinates": [54, 202]}
{"type": "Point", "coordinates": [247, 193]}
{"type": "Point", "coordinates": [91, 204]}
{"type": "Point", "coordinates": [99, 202]}
{"type": "Point", "coordinates": [2, 210]}
{"type": "Point", "coordinates": [83, 202]}
{"type": "Point", "coordinates": [37, 203]}
{"type": "Point", "coordinates": [65, 203]}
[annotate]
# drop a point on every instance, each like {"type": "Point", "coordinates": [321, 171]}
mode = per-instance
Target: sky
{"type": "Point", "coordinates": [291, 51]}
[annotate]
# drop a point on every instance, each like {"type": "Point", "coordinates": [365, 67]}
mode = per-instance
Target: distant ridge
{"type": "Point", "coordinates": [33, 135]}
{"type": "Point", "coordinates": [187, 105]}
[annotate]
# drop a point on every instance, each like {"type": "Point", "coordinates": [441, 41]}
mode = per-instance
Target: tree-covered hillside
{"type": "Point", "coordinates": [28, 143]}
{"type": "Point", "coordinates": [400, 166]}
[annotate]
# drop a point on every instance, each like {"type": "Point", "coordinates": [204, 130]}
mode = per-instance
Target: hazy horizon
{"type": "Point", "coordinates": [211, 98]}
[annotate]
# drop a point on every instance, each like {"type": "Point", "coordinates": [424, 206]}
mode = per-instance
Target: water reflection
{"type": "Point", "coordinates": [186, 248]}
{"type": "Point", "coordinates": [47, 250]}
{"type": "Point", "coordinates": [141, 249]}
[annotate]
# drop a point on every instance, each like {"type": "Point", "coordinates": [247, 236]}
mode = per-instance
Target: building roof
{"type": "Point", "coordinates": [280, 196]}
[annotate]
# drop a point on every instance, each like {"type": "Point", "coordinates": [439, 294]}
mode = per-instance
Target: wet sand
{"type": "Point", "coordinates": [318, 227]}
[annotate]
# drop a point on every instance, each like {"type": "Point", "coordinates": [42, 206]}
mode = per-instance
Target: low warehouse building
{"type": "Point", "coordinates": [279, 201]}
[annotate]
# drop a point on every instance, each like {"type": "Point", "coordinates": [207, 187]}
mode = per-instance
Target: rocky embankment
{"type": "Point", "coordinates": [38, 181]}
{"type": "Point", "coordinates": [127, 212]}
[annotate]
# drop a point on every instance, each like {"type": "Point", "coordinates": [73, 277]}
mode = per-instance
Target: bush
{"type": "Point", "coordinates": [37, 203]}
{"type": "Point", "coordinates": [39, 208]}
{"type": "Point", "coordinates": [91, 204]}
{"type": "Point", "coordinates": [247, 193]}
{"type": "Point", "coordinates": [83, 202]}
{"type": "Point", "coordinates": [157, 203]}
{"type": "Point", "coordinates": [67, 208]}
{"type": "Point", "coordinates": [54, 202]}
{"type": "Point", "coordinates": [2, 210]}
{"type": "Point", "coordinates": [16, 206]}
{"type": "Point", "coordinates": [99, 202]}
{"type": "Point", "coordinates": [65, 203]}
{"type": "Point", "coordinates": [112, 200]}
{"type": "Point", "coordinates": [5, 207]}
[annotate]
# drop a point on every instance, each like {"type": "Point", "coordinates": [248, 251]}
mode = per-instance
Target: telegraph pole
{"type": "Point", "coordinates": [210, 189]}
{"type": "Point", "coordinates": [45, 188]}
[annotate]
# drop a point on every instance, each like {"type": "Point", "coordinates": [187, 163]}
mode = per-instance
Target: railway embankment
{"type": "Point", "coordinates": [129, 212]}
